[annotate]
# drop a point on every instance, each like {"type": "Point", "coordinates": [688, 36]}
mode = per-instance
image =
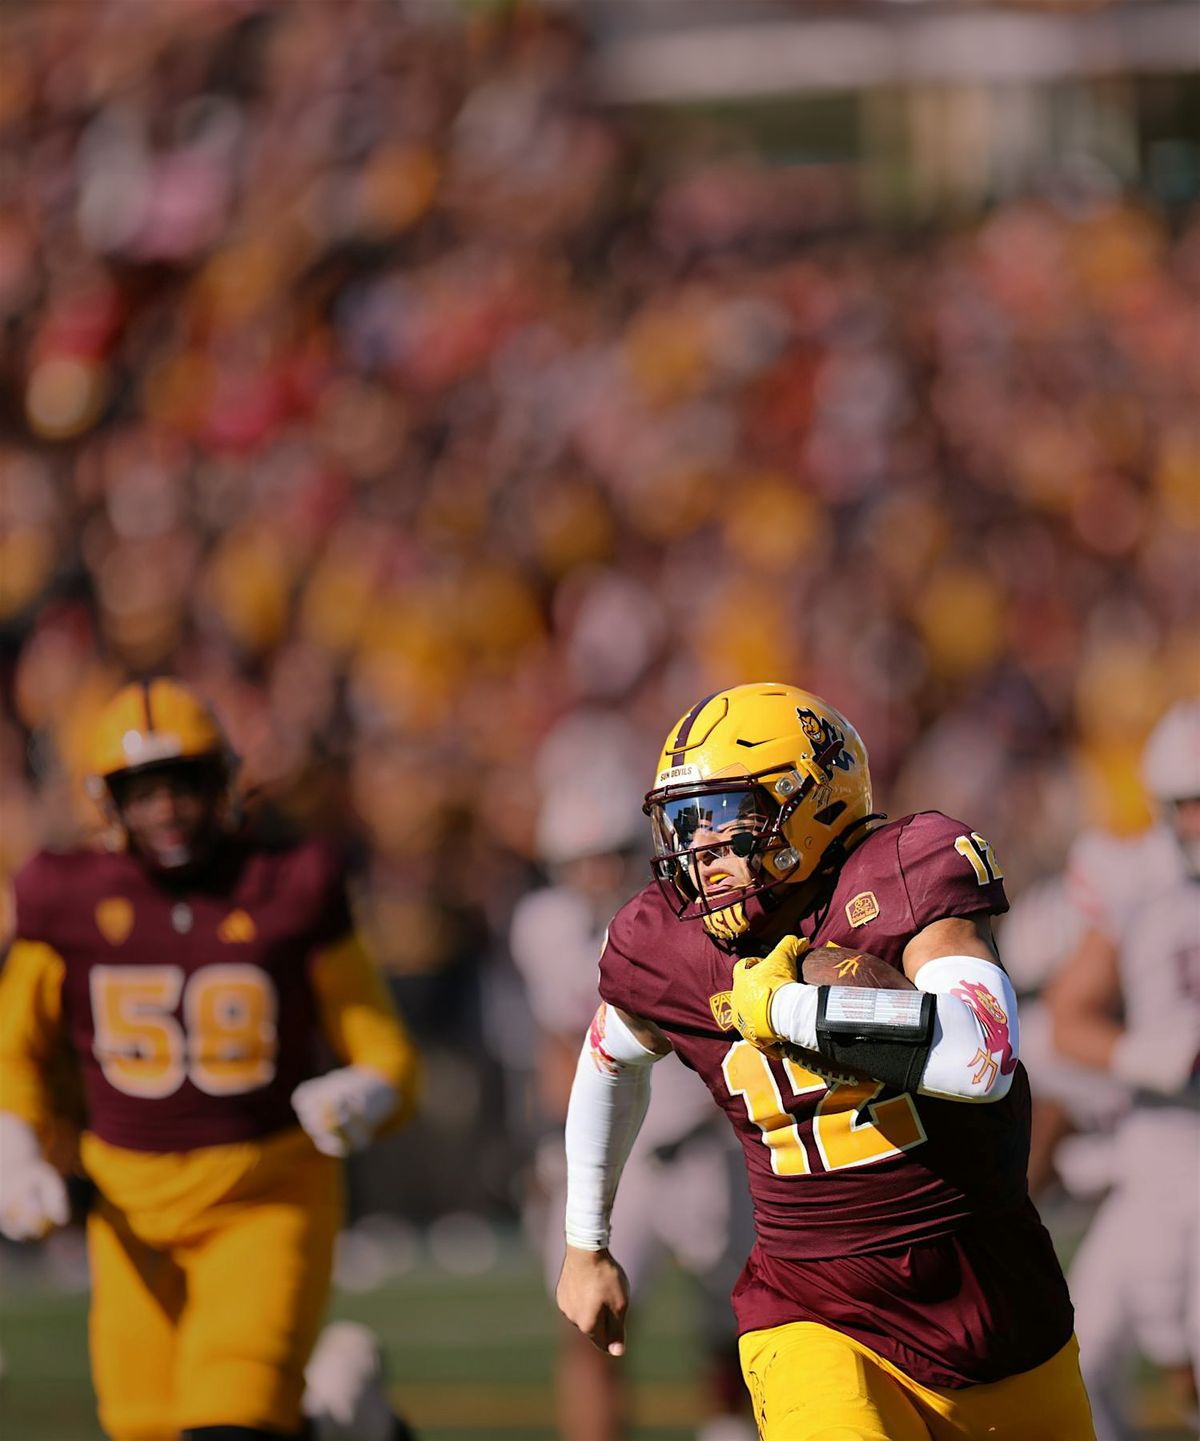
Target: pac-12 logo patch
{"type": "Point", "coordinates": [114, 916]}
{"type": "Point", "coordinates": [237, 926]}
{"type": "Point", "coordinates": [863, 908]}
{"type": "Point", "coordinates": [722, 1009]}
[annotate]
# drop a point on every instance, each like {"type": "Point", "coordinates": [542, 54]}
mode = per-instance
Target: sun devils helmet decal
{"type": "Point", "coordinates": [829, 746]}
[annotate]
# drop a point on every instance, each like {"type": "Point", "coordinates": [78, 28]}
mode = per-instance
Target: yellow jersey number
{"type": "Point", "coordinates": [225, 1043]}
{"type": "Point", "coordinates": [841, 1136]}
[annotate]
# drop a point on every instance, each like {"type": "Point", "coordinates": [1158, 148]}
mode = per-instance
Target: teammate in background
{"type": "Point", "coordinates": [680, 1195]}
{"type": "Point", "coordinates": [194, 977]}
{"type": "Point", "coordinates": [901, 1287]}
{"type": "Point", "coordinates": [1128, 1005]}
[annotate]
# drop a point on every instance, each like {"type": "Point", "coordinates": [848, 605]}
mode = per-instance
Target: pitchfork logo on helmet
{"type": "Point", "coordinates": [754, 786]}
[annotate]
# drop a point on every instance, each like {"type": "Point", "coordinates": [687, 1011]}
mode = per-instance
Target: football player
{"type": "Point", "coordinates": [197, 978]}
{"type": "Point", "coordinates": [901, 1285]}
{"type": "Point", "coordinates": [1127, 1003]}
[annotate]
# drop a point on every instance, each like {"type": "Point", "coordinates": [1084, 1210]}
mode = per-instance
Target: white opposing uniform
{"type": "Point", "coordinates": [1136, 1278]}
{"type": "Point", "coordinates": [681, 1191]}
{"type": "Point", "coordinates": [1039, 932]}
{"type": "Point", "coordinates": [1110, 877]}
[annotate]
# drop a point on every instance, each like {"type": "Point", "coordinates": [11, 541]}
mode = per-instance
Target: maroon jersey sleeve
{"type": "Point", "coordinates": [905, 876]}
{"type": "Point", "coordinates": [948, 869]}
{"type": "Point", "coordinates": [618, 960]}
{"type": "Point", "coordinates": [647, 951]}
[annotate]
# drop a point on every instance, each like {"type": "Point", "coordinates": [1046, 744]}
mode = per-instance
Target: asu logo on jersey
{"type": "Point", "coordinates": [722, 1008]}
{"type": "Point", "coordinates": [862, 908]}
{"type": "Point", "coordinates": [114, 917]}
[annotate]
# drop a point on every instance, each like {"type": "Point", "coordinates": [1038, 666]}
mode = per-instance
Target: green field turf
{"type": "Point", "coordinates": [468, 1357]}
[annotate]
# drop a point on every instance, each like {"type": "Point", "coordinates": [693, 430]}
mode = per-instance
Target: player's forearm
{"type": "Point", "coordinates": [23, 1091]}
{"type": "Point", "coordinates": [361, 1022]}
{"type": "Point", "coordinates": [961, 1043]}
{"type": "Point", "coordinates": [1088, 1037]}
{"type": "Point", "coordinates": [1084, 1002]}
{"type": "Point", "coordinates": [605, 1112]}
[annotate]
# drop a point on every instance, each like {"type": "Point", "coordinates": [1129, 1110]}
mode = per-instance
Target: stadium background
{"type": "Point", "coordinates": [433, 383]}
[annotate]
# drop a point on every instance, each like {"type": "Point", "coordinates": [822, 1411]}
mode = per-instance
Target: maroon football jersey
{"type": "Point", "coordinates": [189, 1007]}
{"type": "Point", "coordinates": [842, 1173]}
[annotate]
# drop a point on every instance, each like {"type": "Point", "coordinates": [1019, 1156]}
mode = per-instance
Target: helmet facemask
{"type": "Point", "coordinates": [718, 844]}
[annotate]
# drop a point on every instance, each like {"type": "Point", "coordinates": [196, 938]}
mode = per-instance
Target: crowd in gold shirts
{"type": "Point", "coordinates": [364, 370]}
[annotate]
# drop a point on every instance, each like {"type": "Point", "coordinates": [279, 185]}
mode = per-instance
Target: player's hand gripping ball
{"type": "Point", "coordinates": [755, 981]}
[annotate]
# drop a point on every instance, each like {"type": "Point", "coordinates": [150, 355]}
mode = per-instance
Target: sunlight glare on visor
{"type": "Point", "coordinates": [696, 822]}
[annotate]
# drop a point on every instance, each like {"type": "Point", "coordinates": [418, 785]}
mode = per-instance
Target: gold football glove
{"type": "Point", "coordinates": [756, 980]}
{"type": "Point", "coordinates": [728, 923]}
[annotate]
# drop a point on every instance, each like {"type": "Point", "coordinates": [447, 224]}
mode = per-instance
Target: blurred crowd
{"type": "Point", "coordinates": [363, 369]}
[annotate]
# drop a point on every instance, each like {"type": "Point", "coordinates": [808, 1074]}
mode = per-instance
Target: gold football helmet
{"type": "Point", "coordinates": [153, 723]}
{"type": "Point", "coordinates": [154, 726]}
{"type": "Point", "coordinates": [768, 776]}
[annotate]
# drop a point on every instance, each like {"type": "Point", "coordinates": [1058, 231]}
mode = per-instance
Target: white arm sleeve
{"type": "Point", "coordinates": [976, 1038]}
{"type": "Point", "coordinates": [608, 1104]}
{"type": "Point", "coordinates": [976, 1035]}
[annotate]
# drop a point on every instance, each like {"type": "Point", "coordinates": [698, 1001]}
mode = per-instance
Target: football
{"type": "Point", "coordinates": [840, 966]}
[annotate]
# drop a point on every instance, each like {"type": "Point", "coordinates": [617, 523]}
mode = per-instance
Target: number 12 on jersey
{"type": "Point", "coordinates": [980, 856]}
{"type": "Point", "coordinates": [842, 1134]}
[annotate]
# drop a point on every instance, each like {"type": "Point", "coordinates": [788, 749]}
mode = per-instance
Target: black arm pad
{"type": "Point", "coordinates": [893, 1054]}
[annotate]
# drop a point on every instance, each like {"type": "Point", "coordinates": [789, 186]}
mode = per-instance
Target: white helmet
{"type": "Point", "coordinates": [588, 776]}
{"type": "Point", "coordinates": [1171, 771]}
{"type": "Point", "coordinates": [1171, 759]}
{"type": "Point", "coordinates": [586, 818]}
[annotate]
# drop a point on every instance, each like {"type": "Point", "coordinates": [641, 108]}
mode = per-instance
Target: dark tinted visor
{"type": "Point", "coordinates": [734, 818]}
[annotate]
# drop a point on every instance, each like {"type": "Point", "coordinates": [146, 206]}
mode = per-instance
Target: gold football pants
{"type": "Point", "coordinates": [811, 1383]}
{"type": "Point", "coordinates": [217, 1327]}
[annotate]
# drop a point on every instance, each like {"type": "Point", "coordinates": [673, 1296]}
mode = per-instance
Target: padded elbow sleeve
{"type": "Point", "coordinates": [977, 1041]}
{"type": "Point", "coordinates": [884, 1034]}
